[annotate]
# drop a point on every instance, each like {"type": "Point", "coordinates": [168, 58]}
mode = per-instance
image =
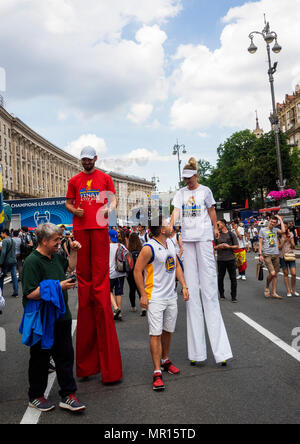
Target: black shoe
{"type": "Point", "coordinates": [234, 301]}
{"type": "Point", "coordinates": [14, 295]}
{"type": "Point", "coordinates": [117, 313]}
{"type": "Point", "coordinates": [143, 313]}
{"type": "Point", "coordinates": [222, 298]}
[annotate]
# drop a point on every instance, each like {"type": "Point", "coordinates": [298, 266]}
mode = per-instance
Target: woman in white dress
{"type": "Point", "coordinates": [194, 207]}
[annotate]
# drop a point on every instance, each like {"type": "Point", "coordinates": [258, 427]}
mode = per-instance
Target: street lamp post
{"type": "Point", "coordinates": [176, 152]}
{"type": "Point", "coordinates": [269, 36]}
{"type": "Point", "coordinates": [155, 180]}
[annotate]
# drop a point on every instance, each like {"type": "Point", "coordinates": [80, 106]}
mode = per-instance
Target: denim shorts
{"type": "Point", "coordinates": [287, 265]}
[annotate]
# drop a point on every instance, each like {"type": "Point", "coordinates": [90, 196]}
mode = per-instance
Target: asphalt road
{"type": "Point", "coordinates": [260, 385]}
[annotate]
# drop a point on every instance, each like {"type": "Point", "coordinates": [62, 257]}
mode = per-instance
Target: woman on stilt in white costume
{"type": "Point", "coordinates": [194, 207]}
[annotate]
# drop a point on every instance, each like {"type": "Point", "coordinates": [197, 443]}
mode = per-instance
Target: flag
{"type": "Point", "coordinates": [247, 204]}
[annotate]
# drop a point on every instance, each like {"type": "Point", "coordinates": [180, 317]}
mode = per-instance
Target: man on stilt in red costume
{"type": "Point", "coordinates": [90, 198]}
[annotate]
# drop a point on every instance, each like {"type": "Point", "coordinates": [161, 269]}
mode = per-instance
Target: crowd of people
{"type": "Point", "coordinates": [194, 248]}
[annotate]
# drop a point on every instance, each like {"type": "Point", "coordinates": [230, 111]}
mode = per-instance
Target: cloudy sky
{"type": "Point", "coordinates": [132, 77]}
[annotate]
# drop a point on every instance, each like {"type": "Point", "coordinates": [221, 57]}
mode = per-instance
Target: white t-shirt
{"type": "Point", "coordinates": [160, 273]}
{"type": "Point", "coordinates": [113, 273]}
{"type": "Point", "coordinates": [242, 242]}
{"type": "Point", "coordinates": [195, 220]}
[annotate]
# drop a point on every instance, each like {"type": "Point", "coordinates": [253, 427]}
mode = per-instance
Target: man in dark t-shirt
{"type": "Point", "coordinates": [44, 264]}
{"type": "Point", "coordinates": [224, 247]}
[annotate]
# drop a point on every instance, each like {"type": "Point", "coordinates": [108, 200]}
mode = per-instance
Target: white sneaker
{"type": "Point", "coordinates": [244, 278]}
{"type": "Point", "coordinates": [238, 277]}
{"type": "Point", "coordinates": [296, 294]}
{"type": "Point", "coordinates": [289, 295]}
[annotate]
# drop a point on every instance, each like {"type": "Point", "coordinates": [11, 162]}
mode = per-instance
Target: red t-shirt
{"type": "Point", "coordinates": [91, 192]}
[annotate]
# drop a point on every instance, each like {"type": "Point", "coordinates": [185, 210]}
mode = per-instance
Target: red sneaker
{"type": "Point", "coordinates": [158, 383]}
{"type": "Point", "coordinates": [170, 368]}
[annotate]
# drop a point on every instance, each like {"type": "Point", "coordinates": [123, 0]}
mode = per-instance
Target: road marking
{"type": "Point", "coordinates": [31, 415]}
{"type": "Point", "coordinates": [267, 334]}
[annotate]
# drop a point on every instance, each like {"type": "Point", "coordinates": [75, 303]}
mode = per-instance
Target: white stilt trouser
{"type": "Point", "coordinates": [201, 273]}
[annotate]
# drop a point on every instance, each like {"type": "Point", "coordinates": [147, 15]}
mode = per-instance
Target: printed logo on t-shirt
{"type": "Point", "coordinates": [191, 209]}
{"type": "Point", "coordinates": [272, 237]}
{"type": "Point", "coordinates": [170, 264]}
{"type": "Point", "coordinates": [88, 193]}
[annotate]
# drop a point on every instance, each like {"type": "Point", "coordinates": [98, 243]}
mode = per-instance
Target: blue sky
{"type": "Point", "coordinates": [132, 78]}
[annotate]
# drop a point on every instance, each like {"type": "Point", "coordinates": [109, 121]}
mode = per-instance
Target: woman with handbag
{"type": "Point", "coordinates": [288, 261]}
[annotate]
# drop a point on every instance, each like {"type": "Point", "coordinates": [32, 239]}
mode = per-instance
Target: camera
{"type": "Point", "coordinates": [73, 278]}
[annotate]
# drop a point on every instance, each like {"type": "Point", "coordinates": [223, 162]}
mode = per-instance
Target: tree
{"type": "Point", "coordinates": [247, 167]}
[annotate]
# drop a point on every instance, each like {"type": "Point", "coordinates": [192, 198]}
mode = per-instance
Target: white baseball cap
{"type": "Point", "coordinates": [88, 152]}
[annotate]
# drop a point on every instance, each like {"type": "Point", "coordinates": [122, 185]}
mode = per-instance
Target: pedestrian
{"type": "Point", "coordinates": [194, 207]}
{"type": "Point", "coordinates": [288, 260]}
{"type": "Point", "coordinates": [225, 247]}
{"type": "Point", "coordinates": [8, 261]}
{"type": "Point", "coordinates": [177, 240]}
{"type": "Point", "coordinates": [117, 278]}
{"type": "Point", "coordinates": [269, 253]}
{"type": "Point", "coordinates": [155, 272]}
{"type": "Point", "coordinates": [45, 271]}
{"type": "Point", "coordinates": [241, 252]}
{"type": "Point", "coordinates": [254, 239]}
{"type": "Point", "coordinates": [18, 242]}
{"type": "Point", "coordinates": [134, 246]}
{"type": "Point", "coordinates": [143, 235]}
{"type": "Point", "coordinates": [26, 243]}
{"type": "Point", "coordinates": [294, 231]}
{"type": "Point", "coordinates": [91, 198]}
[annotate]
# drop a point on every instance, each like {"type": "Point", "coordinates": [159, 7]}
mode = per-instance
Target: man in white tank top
{"type": "Point", "coordinates": [155, 274]}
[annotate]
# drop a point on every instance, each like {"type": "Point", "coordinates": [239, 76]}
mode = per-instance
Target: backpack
{"type": "Point", "coordinates": [25, 247]}
{"type": "Point", "coordinates": [124, 260]}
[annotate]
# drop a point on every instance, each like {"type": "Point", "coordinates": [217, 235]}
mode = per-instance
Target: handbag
{"type": "Point", "coordinates": [290, 257]}
{"type": "Point", "coordinates": [260, 272]}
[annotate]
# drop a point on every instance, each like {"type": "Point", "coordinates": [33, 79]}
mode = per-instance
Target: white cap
{"type": "Point", "coordinates": [88, 152]}
{"type": "Point", "coordinates": [189, 173]}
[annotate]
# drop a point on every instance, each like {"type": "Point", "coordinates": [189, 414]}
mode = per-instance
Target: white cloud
{"type": "Point", "coordinates": [138, 160]}
{"type": "Point", "coordinates": [224, 87]}
{"type": "Point", "coordinates": [74, 50]}
{"type": "Point", "coordinates": [140, 112]}
{"type": "Point", "coordinates": [92, 140]}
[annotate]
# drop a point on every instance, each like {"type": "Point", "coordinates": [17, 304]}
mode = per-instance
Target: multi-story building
{"type": "Point", "coordinates": [289, 116]}
{"type": "Point", "coordinates": [32, 167]}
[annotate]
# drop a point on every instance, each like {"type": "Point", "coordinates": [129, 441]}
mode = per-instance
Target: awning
{"type": "Point", "coordinates": [269, 210]}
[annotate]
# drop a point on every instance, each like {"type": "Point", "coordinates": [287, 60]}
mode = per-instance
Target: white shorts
{"type": "Point", "coordinates": [162, 316]}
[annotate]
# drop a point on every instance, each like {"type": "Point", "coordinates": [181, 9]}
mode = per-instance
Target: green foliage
{"type": "Point", "coordinates": [247, 166]}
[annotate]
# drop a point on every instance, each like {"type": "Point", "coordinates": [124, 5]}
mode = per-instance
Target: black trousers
{"type": "Point", "coordinates": [132, 289]}
{"type": "Point", "coordinates": [62, 353]}
{"type": "Point", "coordinates": [229, 266]}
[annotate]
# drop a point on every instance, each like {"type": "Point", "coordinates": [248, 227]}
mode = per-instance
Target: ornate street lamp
{"type": "Point", "coordinates": [269, 37]}
{"type": "Point", "coordinates": [155, 180]}
{"type": "Point", "coordinates": [176, 152]}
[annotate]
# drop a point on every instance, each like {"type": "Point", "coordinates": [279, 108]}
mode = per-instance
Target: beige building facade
{"type": "Point", "coordinates": [289, 117]}
{"type": "Point", "coordinates": [32, 167]}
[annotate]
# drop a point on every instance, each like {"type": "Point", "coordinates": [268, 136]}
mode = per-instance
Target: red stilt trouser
{"type": "Point", "coordinates": [97, 345]}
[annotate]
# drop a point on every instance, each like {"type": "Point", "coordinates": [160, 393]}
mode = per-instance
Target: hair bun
{"type": "Point", "coordinates": [192, 164]}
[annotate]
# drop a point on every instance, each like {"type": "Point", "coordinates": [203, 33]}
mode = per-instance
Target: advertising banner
{"type": "Point", "coordinates": [34, 212]}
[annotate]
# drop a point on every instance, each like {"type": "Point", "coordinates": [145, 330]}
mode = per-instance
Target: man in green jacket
{"type": "Point", "coordinates": [8, 261]}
